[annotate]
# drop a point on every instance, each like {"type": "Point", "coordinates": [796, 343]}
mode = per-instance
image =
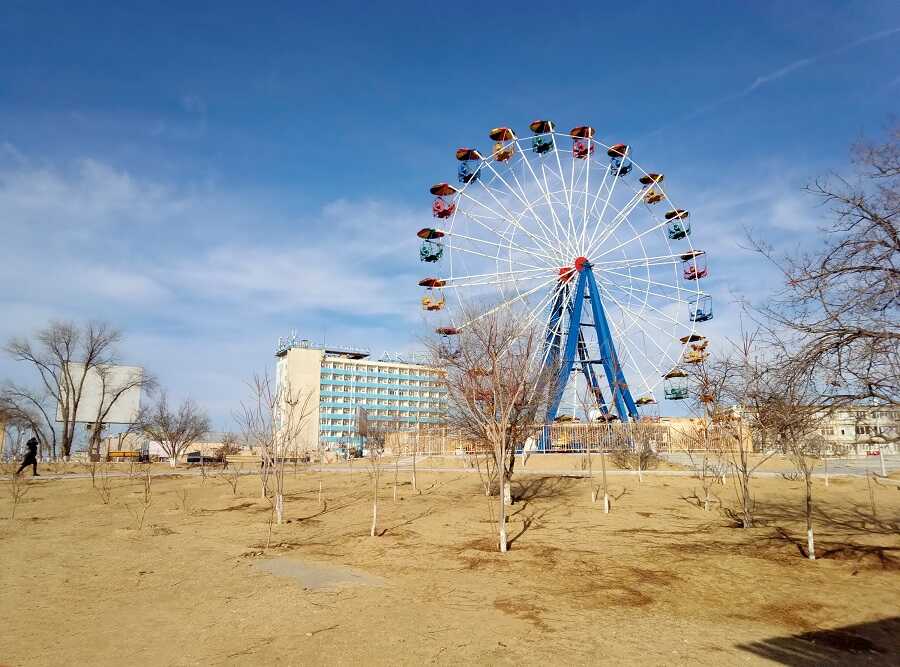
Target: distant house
{"type": "Point", "coordinates": [209, 445]}
{"type": "Point", "coordinates": [861, 429]}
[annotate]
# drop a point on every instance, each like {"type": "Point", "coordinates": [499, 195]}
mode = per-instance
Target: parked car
{"type": "Point", "coordinates": [195, 458]}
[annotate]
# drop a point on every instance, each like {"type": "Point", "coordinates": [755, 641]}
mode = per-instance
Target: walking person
{"type": "Point", "coordinates": [30, 457]}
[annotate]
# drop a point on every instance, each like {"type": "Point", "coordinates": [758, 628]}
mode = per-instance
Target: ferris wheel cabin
{"type": "Point", "coordinates": [542, 141]}
{"type": "Point", "coordinates": [693, 265]}
{"type": "Point", "coordinates": [504, 143]}
{"type": "Point", "coordinates": [582, 146]}
{"type": "Point", "coordinates": [651, 195]}
{"type": "Point", "coordinates": [696, 352]}
{"type": "Point", "coordinates": [432, 249]}
{"type": "Point", "coordinates": [469, 164]}
{"type": "Point", "coordinates": [429, 300]}
{"type": "Point", "coordinates": [701, 309]}
{"type": "Point", "coordinates": [678, 226]}
{"type": "Point", "coordinates": [441, 208]}
{"type": "Point", "coordinates": [619, 164]}
{"type": "Point", "coordinates": [675, 385]}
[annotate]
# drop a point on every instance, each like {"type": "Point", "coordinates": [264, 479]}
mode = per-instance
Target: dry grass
{"type": "Point", "coordinates": [81, 581]}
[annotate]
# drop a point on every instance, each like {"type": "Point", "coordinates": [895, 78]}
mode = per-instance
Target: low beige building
{"type": "Point", "coordinates": [113, 446]}
{"type": "Point", "coordinates": [862, 429]}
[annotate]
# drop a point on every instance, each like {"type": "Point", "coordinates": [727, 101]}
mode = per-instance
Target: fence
{"type": "Point", "coordinates": [581, 437]}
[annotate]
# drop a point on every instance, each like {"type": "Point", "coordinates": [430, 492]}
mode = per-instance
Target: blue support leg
{"type": "Point", "coordinates": [621, 394]}
{"type": "Point", "coordinates": [590, 375]}
{"type": "Point", "coordinates": [568, 359]}
{"type": "Point", "coordinates": [551, 342]}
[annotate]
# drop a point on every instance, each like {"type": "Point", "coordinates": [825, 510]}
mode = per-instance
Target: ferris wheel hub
{"type": "Point", "coordinates": [566, 273]}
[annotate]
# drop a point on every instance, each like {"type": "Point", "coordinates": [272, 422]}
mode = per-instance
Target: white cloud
{"type": "Point", "coordinates": [204, 280]}
{"type": "Point", "coordinates": [779, 73]}
{"type": "Point", "coordinates": [201, 279]}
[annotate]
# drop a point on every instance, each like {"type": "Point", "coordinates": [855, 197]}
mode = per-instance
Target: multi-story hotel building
{"type": "Point", "coordinates": [395, 394]}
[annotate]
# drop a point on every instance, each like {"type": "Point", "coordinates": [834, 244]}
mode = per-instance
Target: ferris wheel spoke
{"type": "Point", "coordinates": [518, 262]}
{"type": "Point", "coordinates": [545, 350]}
{"type": "Point", "coordinates": [612, 189]}
{"type": "Point", "coordinates": [572, 212]}
{"type": "Point", "coordinates": [627, 348]}
{"type": "Point", "coordinates": [584, 209]}
{"type": "Point", "coordinates": [550, 235]}
{"type": "Point", "coordinates": [508, 303]}
{"type": "Point", "coordinates": [646, 303]}
{"type": "Point", "coordinates": [511, 217]}
{"type": "Point", "coordinates": [639, 292]}
{"type": "Point", "coordinates": [634, 238]}
{"type": "Point", "coordinates": [546, 241]}
{"type": "Point", "coordinates": [619, 218]}
{"type": "Point", "coordinates": [590, 217]}
{"type": "Point", "coordinates": [534, 313]}
{"type": "Point", "coordinates": [648, 281]}
{"type": "Point", "coordinates": [568, 195]}
{"type": "Point", "coordinates": [545, 192]}
{"type": "Point", "coordinates": [638, 262]}
{"type": "Point", "coordinates": [500, 277]}
{"type": "Point", "coordinates": [637, 322]}
{"type": "Point", "coordinates": [480, 220]}
{"type": "Point", "coordinates": [584, 204]}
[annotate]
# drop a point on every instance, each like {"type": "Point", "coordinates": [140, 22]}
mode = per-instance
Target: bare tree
{"type": "Point", "coordinates": [139, 512]}
{"type": "Point", "coordinates": [272, 421]}
{"type": "Point", "coordinates": [791, 414]}
{"type": "Point", "coordinates": [111, 390]}
{"type": "Point", "coordinates": [710, 405]}
{"type": "Point", "coordinates": [742, 380]}
{"type": "Point", "coordinates": [840, 300]}
{"type": "Point", "coordinates": [17, 486]}
{"type": "Point", "coordinates": [374, 451]}
{"type": "Point", "coordinates": [54, 352]}
{"type": "Point", "coordinates": [230, 445]}
{"type": "Point", "coordinates": [176, 430]}
{"type": "Point", "coordinates": [496, 391]}
{"type": "Point", "coordinates": [30, 408]}
{"type": "Point", "coordinates": [104, 487]}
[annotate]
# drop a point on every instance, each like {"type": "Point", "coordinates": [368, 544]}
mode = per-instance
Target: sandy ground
{"type": "Point", "coordinates": [657, 581]}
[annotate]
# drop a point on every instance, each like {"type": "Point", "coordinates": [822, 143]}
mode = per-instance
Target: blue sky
{"type": "Point", "coordinates": [210, 178]}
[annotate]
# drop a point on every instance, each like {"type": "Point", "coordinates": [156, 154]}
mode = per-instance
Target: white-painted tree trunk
{"type": "Point", "coordinates": [605, 486]}
{"type": "Point", "coordinates": [374, 502]}
{"type": "Point", "coordinates": [881, 456]}
{"type": "Point", "coordinates": [503, 538]}
{"type": "Point", "coordinates": [826, 471]}
{"type": "Point", "coordinates": [279, 508]}
{"type": "Point", "coordinates": [320, 492]}
{"type": "Point", "coordinates": [810, 544]}
{"type": "Point", "coordinates": [173, 461]}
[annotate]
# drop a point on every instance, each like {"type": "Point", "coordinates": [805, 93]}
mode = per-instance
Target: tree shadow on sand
{"type": "Point", "coordinates": [862, 644]}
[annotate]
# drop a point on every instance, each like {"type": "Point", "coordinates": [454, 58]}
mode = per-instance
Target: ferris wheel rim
{"type": "Point", "coordinates": [514, 235]}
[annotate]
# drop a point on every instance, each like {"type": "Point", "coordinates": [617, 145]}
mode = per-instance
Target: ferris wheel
{"type": "Point", "coordinates": [584, 243]}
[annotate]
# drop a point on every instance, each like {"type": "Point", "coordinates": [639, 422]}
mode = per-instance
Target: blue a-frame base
{"type": "Point", "coordinates": [576, 351]}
